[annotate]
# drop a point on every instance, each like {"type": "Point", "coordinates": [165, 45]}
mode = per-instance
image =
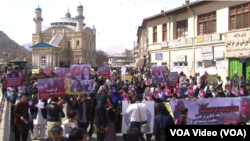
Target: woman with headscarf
{"type": "Point", "coordinates": [162, 119]}
{"type": "Point", "coordinates": [126, 95]}
{"type": "Point", "coordinates": [140, 89]}
{"type": "Point", "coordinates": [101, 120]}
{"type": "Point", "coordinates": [110, 134]}
{"type": "Point", "coordinates": [147, 94]}
{"type": "Point", "coordinates": [116, 97]}
{"type": "Point", "coordinates": [220, 94]}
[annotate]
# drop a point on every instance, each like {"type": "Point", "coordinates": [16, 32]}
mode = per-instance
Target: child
{"type": "Point", "coordinates": [183, 119]}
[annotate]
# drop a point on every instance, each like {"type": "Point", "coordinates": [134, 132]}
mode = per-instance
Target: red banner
{"type": "Point", "coordinates": [47, 71]}
{"type": "Point", "coordinates": [104, 71]}
{"type": "Point", "coordinates": [50, 87]}
{"type": "Point", "coordinates": [173, 79]}
{"type": "Point", "coordinates": [13, 80]}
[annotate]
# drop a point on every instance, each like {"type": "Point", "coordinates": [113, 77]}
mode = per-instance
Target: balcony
{"type": "Point", "coordinates": [79, 17]}
{"type": "Point", "coordinates": [37, 19]}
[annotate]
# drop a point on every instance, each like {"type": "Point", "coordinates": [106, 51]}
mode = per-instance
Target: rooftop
{"type": "Point", "coordinates": [43, 44]}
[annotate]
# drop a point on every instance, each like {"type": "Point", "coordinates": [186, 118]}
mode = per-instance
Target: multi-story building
{"type": "Point", "coordinates": [211, 36]}
{"type": "Point", "coordinates": [65, 42]}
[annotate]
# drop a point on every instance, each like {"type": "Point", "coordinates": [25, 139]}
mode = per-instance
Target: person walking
{"type": "Point", "coordinates": [101, 120]}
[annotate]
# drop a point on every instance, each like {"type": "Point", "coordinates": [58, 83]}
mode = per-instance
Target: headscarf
{"type": "Point", "coordinates": [116, 97]}
{"type": "Point", "coordinates": [103, 100]}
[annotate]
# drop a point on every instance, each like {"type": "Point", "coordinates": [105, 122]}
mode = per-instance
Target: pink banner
{"type": "Point", "coordinates": [173, 79]}
{"type": "Point", "coordinates": [47, 71]}
{"type": "Point", "coordinates": [13, 80]}
{"type": "Point", "coordinates": [50, 87]}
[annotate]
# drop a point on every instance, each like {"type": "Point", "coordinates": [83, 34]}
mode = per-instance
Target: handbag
{"type": "Point", "coordinates": [144, 127]}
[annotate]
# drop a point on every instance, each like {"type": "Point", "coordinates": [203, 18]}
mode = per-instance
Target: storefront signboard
{"type": "Point", "coordinates": [208, 56]}
{"type": "Point", "coordinates": [219, 55]}
{"type": "Point", "coordinates": [200, 39]}
{"type": "Point", "coordinates": [182, 58]}
{"type": "Point", "coordinates": [207, 38]}
{"type": "Point", "coordinates": [216, 37]}
{"type": "Point", "coordinates": [206, 50]}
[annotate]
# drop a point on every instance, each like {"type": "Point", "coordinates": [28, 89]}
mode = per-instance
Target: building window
{"type": "Point", "coordinates": [164, 64]}
{"type": "Point", "coordinates": [77, 42]}
{"type": "Point", "coordinates": [155, 34]}
{"type": "Point", "coordinates": [175, 64]}
{"type": "Point", "coordinates": [90, 46]}
{"type": "Point", "coordinates": [214, 64]}
{"type": "Point", "coordinates": [180, 64]}
{"type": "Point", "coordinates": [185, 64]}
{"type": "Point", "coordinates": [164, 32]}
{"type": "Point", "coordinates": [68, 44]}
{"type": "Point", "coordinates": [207, 24]}
{"type": "Point", "coordinates": [68, 62]}
{"type": "Point", "coordinates": [239, 17]}
{"type": "Point", "coordinates": [87, 46]}
{"type": "Point", "coordinates": [86, 61]}
{"type": "Point", "coordinates": [200, 64]}
{"type": "Point", "coordinates": [43, 61]}
{"type": "Point", "coordinates": [77, 60]}
{"type": "Point", "coordinates": [182, 29]}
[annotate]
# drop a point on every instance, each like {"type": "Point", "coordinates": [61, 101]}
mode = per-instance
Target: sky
{"type": "Point", "coordinates": [116, 21]}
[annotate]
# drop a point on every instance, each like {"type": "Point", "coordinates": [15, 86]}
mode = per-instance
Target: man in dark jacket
{"type": "Point", "coordinates": [93, 103]}
{"type": "Point", "coordinates": [70, 99]}
{"type": "Point", "coordinates": [56, 134]}
{"type": "Point", "coordinates": [83, 109]}
{"type": "Point", "coordinates": [183, 119]}
{"type": "Point", "coordinates": [53, 111]}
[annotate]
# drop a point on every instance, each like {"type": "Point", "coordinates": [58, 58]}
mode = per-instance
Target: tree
{"type": "Point", "coordinates": [101, 57]}
{"type": "Point", "coordinates": [128, 54]}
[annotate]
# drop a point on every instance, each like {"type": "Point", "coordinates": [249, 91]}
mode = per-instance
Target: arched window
{"type": "Point", "coordinates": [68, 44]}
{"type": "Point", "coordinates": [68, 62]}
{"type": "Point", "coordinates": [43, 61]}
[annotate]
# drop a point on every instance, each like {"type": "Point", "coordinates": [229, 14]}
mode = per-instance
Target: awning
{"type": "Point", "coordinates": [139, 62]}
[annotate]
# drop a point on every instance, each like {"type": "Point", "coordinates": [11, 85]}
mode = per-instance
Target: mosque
{"type": "Point", "coordinates": [65, 42]}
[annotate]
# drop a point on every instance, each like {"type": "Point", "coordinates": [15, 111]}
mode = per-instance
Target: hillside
{"type": "Point", "coordinates": [10, 49]}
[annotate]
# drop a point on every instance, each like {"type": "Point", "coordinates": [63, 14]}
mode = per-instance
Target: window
{"type": "Point", "coordinates": [90, 61]}
{"type": "Point", "coordinates": [164, 64]}
{"type": "Point", "coordinates": [175, 64]}
{"type": "Point", "coordinates": [155, 34]}
{"type": "Point", "coordinates": [86, 61]}
{"type": "Point", "coordinates": [207, 24]}
{"type": "Point", "coordinates": [182, 29]}
{"type": "Point", "coordinates": [90, 46]}
{"type": "Point", "coordinates": [239, 17]}
{"type": "Point", "coordinates": [69, 61]}
{"type": "Point", "coordinates": [43, 61]}
{"type": "Point", "coordinates": [200, 64]}
{"type": "Point", "coordinates": [164, 32]}
{"type": "Point", "coordinates": [185, 64]}
{"type": "Point", "coordinates": [77, 60]}
{"type": "Point", "coordinates": [214, 64]}
{"type": "Point", "coordinates": [180, 64]}
{"type": "Point", "coordinates": [77, 42]}
{"type": "Point", "coordinates": [87, 46]}
{"type": "Point", "coordinates": [68, 44]}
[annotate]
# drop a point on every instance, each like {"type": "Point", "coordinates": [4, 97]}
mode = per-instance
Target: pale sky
{"type": "Point", "coordinates": [116, 21]}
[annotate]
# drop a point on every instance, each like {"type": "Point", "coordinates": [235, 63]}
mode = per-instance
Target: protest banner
{"type": "Point", "coordinates": [149, 116]}
{"type": "Point", "coordinates": [47, 71]}
{"type": "Point", "coordinates": [13, 80]}
{"type": "Point", "coordinates": [157, 74]}
{"type": "Point", "coordinates": [213, 111]}
{"type": "Point", "coordinates": [81, 86]}
{"type": "Point", "coordinates": [168, 106]}
{"type": "Point", "coordinates": [212, 80]}
{"type": "Point", "coordinates": [67, 91]}
{"type": "Point", "coordinates": [104, 71]}
{"type": "Point", "coordinates": [129, 78]}
{"type": "Point", "coordinates": [35, 71]}
{"type": "Point", "coordinates": [173, 79]}
{"type": "Point", "coordinates": [50, 87]}
{"type": "Point", "coordinates": [63, 72]}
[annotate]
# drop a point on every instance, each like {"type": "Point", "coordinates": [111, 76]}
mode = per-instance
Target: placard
{"type": "Point", "coordinates": [207, 38]}
{"type": "Point", "coordinates": [47, 71]}
{"type": "Point", "coordinates": [35, 71]}
{"type": "Point", "coordinates": [164, 44]}
{"type": "Point", "coordinates": [216, 37]}
{"type": "Point", "coordinates": [104, 71]}
{"type": "Point", "coordinates": [129, 78]}
{"type": "Point", "coordinates": [67, 91]}
{"type": "Point", "coordinates": [173, 79]}
{"type": "Point", "coordinates": [212, 80]}
{"type": "Point", "coordinates": [157, 74]}
{"type": "Point", "coordinates": [50, 87]}
{"type": "Point", "coordinates": [182, 58]}
{"type": "Point", "coordinates": [13, 80]}
{"type": "Point", "coordinates": [63, 72]}
{"type": "Point", "coordinates": [159, 56]}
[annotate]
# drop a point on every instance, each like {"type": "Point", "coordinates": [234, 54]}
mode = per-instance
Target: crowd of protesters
{"type": "Point", "coordinates": [101, 110]}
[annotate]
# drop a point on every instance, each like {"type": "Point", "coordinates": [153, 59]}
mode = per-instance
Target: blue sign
{"type": "Point", "coordinates": [159, 56]}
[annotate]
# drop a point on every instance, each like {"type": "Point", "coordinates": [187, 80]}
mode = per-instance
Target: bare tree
{"type": "Point", "coordinates": [128, 54]}
{"type": "Point", "coordinates": [101, 57]}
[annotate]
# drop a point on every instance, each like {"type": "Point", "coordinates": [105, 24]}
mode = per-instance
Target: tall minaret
{"type": "Point", "coordinates": [79, 18]}
{"type": "Point", "coordinates": [38, 20]}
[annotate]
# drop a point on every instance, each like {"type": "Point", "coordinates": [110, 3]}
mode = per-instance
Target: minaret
{"type": "Point", "coordinates": [94, 30]}
{"type": "Point", "coordinates": [38, 20]}
{"type": "Point", "coordinates": [79, 18]}
{"type": "Point", "coordinates": [68, 14]}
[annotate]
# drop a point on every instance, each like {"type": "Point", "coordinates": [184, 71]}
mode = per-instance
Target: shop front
{"type": "Point", "coordinates": [238, 52]}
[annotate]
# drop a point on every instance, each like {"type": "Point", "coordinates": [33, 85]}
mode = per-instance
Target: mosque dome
{"type": "Point", "coordinates": [38, 8]}
{"type": "Point", "coordinates": [80, 6]}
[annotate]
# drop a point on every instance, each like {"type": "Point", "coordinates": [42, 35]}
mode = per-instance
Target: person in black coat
{"type": "Point", "coordinates": [93, 103]}
{"type": "Point", "coordinates": [83, 109]}
{"type": "Point", "coordinates": [162, 119]}
{"type": "Point", "coordinates": [141, 88]}
{"type": "Point", "coordinates": [70, 99]}
{"type": "Point", "coordinates": [101, 120]}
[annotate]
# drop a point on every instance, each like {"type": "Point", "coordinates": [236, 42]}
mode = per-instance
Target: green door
{"type": "Point", "coordinates": [247, 68]}
{"type": "Point", "coordinates": [234, 65]}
